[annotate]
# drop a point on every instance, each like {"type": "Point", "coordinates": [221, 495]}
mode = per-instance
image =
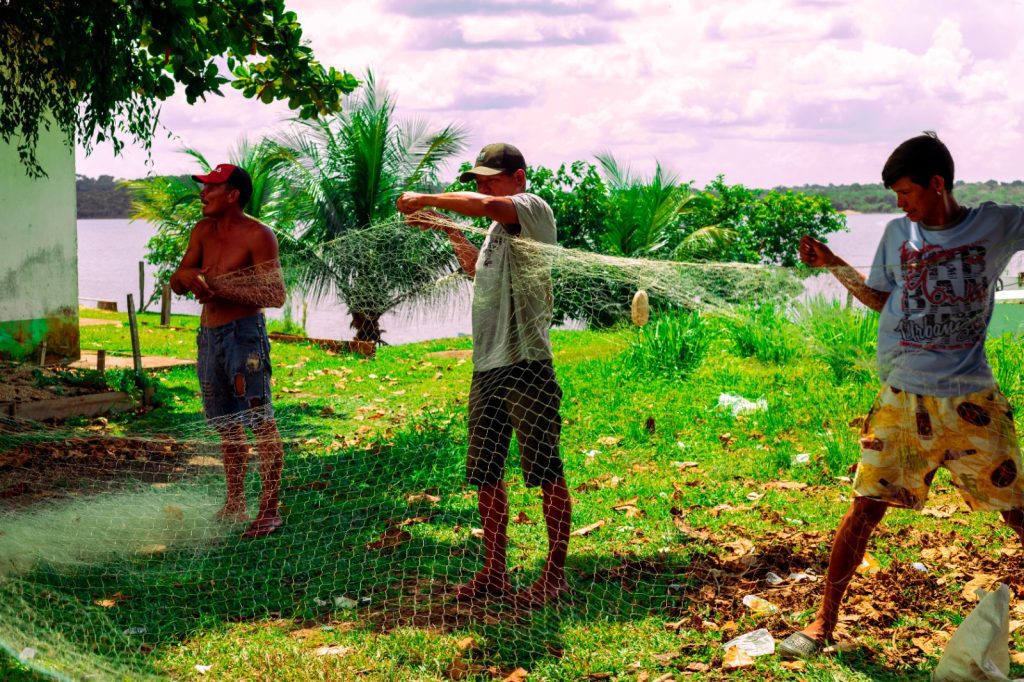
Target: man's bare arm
{"type": "Point", "coordinates": [817, 255]}
{"type": "Point", "coordinates": [469, 204]}
{"type": "Point", "coordinates": [188, 277]}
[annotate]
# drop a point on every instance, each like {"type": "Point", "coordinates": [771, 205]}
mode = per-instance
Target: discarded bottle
{"type": "Point", "coordinates": [758, 605]}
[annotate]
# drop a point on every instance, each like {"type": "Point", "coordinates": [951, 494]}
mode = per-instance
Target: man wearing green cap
{"type": "Point", "coordinates": [514, 386]}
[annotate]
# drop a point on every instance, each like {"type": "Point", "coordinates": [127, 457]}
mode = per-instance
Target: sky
{"type": "Point", "coordinates": [765, 92]}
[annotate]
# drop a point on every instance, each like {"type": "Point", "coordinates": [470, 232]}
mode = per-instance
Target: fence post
{"type": "Point", "coordinates": [165, 306]}
{"type": "Point", "coordinates": [142, 286]}
{"type": "Point", "coordinates": [133, 325]}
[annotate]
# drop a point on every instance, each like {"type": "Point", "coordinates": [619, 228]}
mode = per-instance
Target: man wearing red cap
{"type": "Point", "coordinates": [231, 267]}
{"type": "Point", "coordinates": [514, 386]}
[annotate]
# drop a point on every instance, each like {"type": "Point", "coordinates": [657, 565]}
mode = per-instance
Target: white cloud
{"type": "Point", "coordinates": [767, 92]}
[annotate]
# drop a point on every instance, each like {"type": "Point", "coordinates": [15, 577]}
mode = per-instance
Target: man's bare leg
{"type": "Point", "coordinates": [235, 450]}
{"type": "Point", "coordinates": [271, 453]}
{"type": "Point", "coordinates": [492, 579]}
{"type": "Point", "coordinates": [847, 553]}
{"type": "Point", "coordinates": [551, 584]}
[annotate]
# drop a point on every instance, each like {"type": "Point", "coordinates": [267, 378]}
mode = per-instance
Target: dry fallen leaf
{"type": "Point", "coordinates": [736, 657]}
{"type": "Point", "coordinates": [739, 547]}
{"type": "Point", "coordinates": [689, 532]}
{"type": "Point", "coordinates": [423, 497]}
{"type": "Point", "coordinates": [786, 485]}
{"type": "Point", "coordinates": [610, 440]}
{"type": "Point", "coordinates": [983, 581]}
{"type": "Point", "coordinates": [630, 508]}
{"type": "Point", "coordinates": [517, 675]}
{"type": "Point", "coordinates": [152, 550]}
{"type": "Point", "coordinates": [587, 530]}
{"type": "Point", "coordinates": [523, 518]}
{"type": "Point", "coordinates": [336, 650]}
{"type": "Point", "coordinates": [794, 665]}
{"type": "Point", "coordinates": [111, 601]}
{"type": "Point", "coordinates": [392, 537]}
{"type": "Point", "coordinates": [941, 512]}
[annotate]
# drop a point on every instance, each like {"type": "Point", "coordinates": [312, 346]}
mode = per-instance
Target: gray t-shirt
{"type": "Point", "coordinates": [931, 334]}
{"type": "Point", "coordinates": [512, 289]}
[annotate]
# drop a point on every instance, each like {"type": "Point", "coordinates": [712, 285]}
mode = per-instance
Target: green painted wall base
{"type": "Point", "coordinates": [22, 340]}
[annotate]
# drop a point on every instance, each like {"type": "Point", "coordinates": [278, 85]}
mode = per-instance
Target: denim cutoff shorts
{"type": "Point", "coordinates": [234, 372]}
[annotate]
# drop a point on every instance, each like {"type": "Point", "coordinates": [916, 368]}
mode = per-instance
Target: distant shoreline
{"type": "Point", "coordinates": [107, 198]}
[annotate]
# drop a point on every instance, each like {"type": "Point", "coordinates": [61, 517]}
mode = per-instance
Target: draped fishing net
{"type": "Point", "coordinates": [115, 554]}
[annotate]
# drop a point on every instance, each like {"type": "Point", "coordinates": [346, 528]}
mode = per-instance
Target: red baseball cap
{"type": "Point", "coordinates": [219, 175]}
{"type": "Point", "coordinates": [231, 175]}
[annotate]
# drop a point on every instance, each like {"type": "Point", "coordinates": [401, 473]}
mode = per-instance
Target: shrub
{"type": "Point", "coordinates": [672, 343]}
{"type": "Point", "coordinates": [844, 337]}
{"type": "Point", "coordinates": [1007, 357]}
{"type": "Point", "coordinates": [763, 332]}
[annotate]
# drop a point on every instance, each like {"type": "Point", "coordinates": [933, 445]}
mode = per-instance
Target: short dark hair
{"type": "Point", "coordinates": [920, 158]}
{"type": "Point", "coordinates": [240, 180]}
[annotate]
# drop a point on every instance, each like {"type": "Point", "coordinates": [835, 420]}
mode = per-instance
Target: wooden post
{"type": "Point", "coordinates": [101, 360]}
{"type": "Point", "coordinates": [142, 286]}
{"type": "Point", "coordinates": [165, 306]}
{"type": "Point", "coordinates": [42, 354]}
{"type": "Point", "coordinates": [133, 325]}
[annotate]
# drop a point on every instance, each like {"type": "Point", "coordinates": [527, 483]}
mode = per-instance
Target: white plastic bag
{"type": "Point", "coordinates": [738, 405]}
{"type": "Point", "coordinates": [978, 650]}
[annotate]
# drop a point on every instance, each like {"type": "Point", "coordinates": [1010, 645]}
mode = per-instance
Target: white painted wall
{"type": "Point", "coordinates": [38, 233]}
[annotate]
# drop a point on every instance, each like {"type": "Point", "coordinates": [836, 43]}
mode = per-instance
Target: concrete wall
{"type": "Point", "coordinates": [38, 254]}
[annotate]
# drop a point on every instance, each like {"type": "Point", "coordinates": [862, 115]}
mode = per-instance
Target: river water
{"type": "Point", "coordinates": [109, 252]}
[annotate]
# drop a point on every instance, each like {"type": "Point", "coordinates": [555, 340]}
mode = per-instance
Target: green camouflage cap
{"type": "Point", "coordinates": [495, 158]}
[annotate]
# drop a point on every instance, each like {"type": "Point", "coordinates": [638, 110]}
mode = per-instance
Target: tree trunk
{"type": "Point", "coordinates": [367, 326]}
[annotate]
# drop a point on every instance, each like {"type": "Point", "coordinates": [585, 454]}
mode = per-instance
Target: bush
{"type": "Point", "coordinates": [763, 332]}
{"type": "Point", "coordinates": [672, 343]}
{"type": "Point", "coordinates": [1007, 357]}
{"type": "Point", "coordinates": [286, 326]}
{"type": "Point", "coordinates": [844, 337]}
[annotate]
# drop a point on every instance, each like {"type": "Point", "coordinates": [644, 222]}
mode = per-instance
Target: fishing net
{"type": "Point", "coordinates": [114, 558]}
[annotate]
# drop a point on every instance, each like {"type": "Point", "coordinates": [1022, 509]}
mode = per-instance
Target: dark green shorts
{"type": "Point", "coordinates": [524, 398]}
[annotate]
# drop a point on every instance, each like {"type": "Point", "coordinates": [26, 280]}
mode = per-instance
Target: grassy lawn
{"type": "Point", "coordinates": [690, 506]}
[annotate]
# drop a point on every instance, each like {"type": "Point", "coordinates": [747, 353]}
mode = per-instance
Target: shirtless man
{"type": "Point", "coordinates": [231, 267]}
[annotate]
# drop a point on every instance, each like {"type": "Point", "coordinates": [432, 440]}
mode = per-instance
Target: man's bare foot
{"type": "Point", "coordinates": [807, 643]}
{"type": "Point", "coordinates": [233, 514]}
{"type": "Point", "coordinates": [547, 590]}
{"type": "Point", "coordinates": [484, 584]}
{"type": "Point", "coordinates": [818, 631]}
{"type": "Point", "coordinates": [263, 525]}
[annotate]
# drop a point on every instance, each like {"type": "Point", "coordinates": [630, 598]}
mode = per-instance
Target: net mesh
{"type": "Point", "coordinates": [117, 559]}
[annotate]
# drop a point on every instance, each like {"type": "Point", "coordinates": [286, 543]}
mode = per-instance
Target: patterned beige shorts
{"type": "Point", "coordinates": [907, 437]}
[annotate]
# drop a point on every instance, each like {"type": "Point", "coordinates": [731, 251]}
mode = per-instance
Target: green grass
{"type": "Point", "coordinates": [371, 437]}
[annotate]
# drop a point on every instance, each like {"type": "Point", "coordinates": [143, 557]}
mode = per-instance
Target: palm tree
{"type": "Point", "coordinates": [348, 171]}
{"type": "Point", "coordinates": [645, 217]}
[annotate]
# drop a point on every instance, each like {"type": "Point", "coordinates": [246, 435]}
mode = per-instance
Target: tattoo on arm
{"type": "Point", "coordinates": [856, 285]}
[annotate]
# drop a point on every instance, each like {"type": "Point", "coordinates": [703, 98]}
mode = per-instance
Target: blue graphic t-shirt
{"type": "Point", "coordinates": [931, 334]}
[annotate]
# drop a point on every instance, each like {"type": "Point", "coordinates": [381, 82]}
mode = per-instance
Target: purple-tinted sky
{"type": "Point", "coordinates": [767, 92]}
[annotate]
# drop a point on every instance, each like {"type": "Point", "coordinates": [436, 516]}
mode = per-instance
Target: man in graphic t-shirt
{"type": "Point", "coordinates": [933, 281]}
{"type": "Point", "coordinates": [514, 386]}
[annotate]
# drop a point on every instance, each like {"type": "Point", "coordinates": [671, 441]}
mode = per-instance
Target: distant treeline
{"type": "Point", "coordinates": [103, 197]}
{"type": "Point", "coordinates": [874, 198]}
